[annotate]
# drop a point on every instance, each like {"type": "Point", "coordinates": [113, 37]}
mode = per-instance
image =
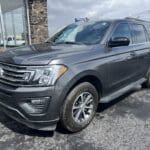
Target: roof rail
{"type": "Point", "coordinates": [137, 19]}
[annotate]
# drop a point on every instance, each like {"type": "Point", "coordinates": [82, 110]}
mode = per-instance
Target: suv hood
{"type": "Point", "coordinates": [41, 54]}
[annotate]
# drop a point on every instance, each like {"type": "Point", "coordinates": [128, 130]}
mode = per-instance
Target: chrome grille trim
{"type": "Point", "coordinates": [13, 75]}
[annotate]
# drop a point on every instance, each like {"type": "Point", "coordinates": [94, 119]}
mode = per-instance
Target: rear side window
{"type": "Point", "coordinates": [122, 30]}
{"type": "Point", "coordinates": [139, 34]}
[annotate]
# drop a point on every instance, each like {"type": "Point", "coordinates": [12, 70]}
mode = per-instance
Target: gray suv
{"type": "Point", "coordinates": [64, 79]}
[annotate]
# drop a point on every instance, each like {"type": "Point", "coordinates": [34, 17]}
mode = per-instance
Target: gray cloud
{"type": "Point", "coordinates": [63, 12]}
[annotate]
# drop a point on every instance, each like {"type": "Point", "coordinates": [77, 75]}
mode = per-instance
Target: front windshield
{"type": "Point", "coordinates": [81, 33]}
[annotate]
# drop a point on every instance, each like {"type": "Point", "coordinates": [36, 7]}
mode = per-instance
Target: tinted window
{"type": "Point", "coordinates": [139, 35]}
{"type": "Point", "coordinates": [122, 30]}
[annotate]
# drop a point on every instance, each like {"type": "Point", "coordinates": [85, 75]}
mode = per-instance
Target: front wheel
{"type": "Point", "coordinates": [148, 80]}
{"type": "Point", "coordinates": [79, 107]}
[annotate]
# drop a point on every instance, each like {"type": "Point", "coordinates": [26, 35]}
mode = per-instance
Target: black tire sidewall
{"type": "Point", "coordinates": [66, 117]}
{"type": "Point", "coordinates": [148, 81]}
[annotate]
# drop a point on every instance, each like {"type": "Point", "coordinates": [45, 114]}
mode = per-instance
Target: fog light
{"type": "Point", "coordinates": [35, 106]}
{"type": "Point", "coordinates": [38, 101]}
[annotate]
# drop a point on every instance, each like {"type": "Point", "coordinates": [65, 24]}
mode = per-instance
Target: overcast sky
{"type": "Point", "coordinates": [63, 12]}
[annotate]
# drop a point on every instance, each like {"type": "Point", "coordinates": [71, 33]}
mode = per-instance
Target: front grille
{"type": "Point", "coordinates": [13, 75]}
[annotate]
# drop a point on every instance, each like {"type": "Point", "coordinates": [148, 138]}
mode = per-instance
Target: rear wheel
{"type": "Point", "coordinates": [79, 107]}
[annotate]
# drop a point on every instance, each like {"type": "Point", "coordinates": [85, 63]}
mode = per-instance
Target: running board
{"type": "Point", "coordinates": [122, 91]}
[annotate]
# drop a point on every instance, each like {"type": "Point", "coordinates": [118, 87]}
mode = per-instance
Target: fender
{"type": "Point", "coordinates": [77, 78]}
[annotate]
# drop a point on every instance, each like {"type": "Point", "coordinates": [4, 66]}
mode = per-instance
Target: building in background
{"type": "Point", "coordinates": [23, 22]}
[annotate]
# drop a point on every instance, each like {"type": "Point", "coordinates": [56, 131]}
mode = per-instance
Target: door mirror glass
{"type": "Point", "coordinates": [118, 41]}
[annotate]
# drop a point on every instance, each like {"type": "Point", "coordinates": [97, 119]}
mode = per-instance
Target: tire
{"type": "Point", "coordinates": [148, 81]}
{"type": "Point", "coordinates": [70, 118]}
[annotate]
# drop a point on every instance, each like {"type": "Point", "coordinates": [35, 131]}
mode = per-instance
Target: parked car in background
{"type": "Point", "coordinates": [12, 42]}
{"type": "Point", "coordinates": [64, 79]}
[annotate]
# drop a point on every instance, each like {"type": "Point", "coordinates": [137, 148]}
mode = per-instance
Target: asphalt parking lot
{"type": "Point", "coordinates": [121, 125]}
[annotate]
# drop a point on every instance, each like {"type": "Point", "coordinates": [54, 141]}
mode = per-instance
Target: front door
{"type": "Point", "coordinates": [123, 67]}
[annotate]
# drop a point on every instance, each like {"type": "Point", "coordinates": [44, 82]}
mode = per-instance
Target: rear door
{"type": "Point", "coordinates": [123, 64]}
{"type": "Point", "coordinates": [141, 43]}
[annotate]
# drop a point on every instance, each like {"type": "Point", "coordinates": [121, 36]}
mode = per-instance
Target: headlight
{"type": "Point", "coordinates": [48, 75]}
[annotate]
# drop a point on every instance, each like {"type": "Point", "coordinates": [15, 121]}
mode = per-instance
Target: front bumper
{"type": "Point", "coordinates": [10, 100]}
{"type": "Point", "coordinates": [18, 116]}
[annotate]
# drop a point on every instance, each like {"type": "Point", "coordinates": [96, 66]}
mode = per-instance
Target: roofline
{"type": "Point", "coordinates": [137, 19]}
{"type": "Point", "coordinates": [119, 19]}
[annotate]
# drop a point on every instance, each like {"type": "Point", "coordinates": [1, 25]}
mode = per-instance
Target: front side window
{"type": "Point", "coordinates": [139, 35]}
{"type": "Point", "coordinates": [88, 33]}
{"type": "Point", "coordinates": [122, 30]}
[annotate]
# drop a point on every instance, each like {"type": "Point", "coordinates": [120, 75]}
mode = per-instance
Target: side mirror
{"type": "Point", "coordinates": [118, 41]}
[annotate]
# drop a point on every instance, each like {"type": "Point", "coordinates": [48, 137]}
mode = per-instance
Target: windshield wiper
{"type": "Point", "coordinates": [50, 42]}
{"type": "Point", "coordinates": [68, 42]}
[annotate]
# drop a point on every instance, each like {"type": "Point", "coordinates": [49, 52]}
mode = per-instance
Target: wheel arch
{"type": "Point", "coordinates": [88, 76]}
